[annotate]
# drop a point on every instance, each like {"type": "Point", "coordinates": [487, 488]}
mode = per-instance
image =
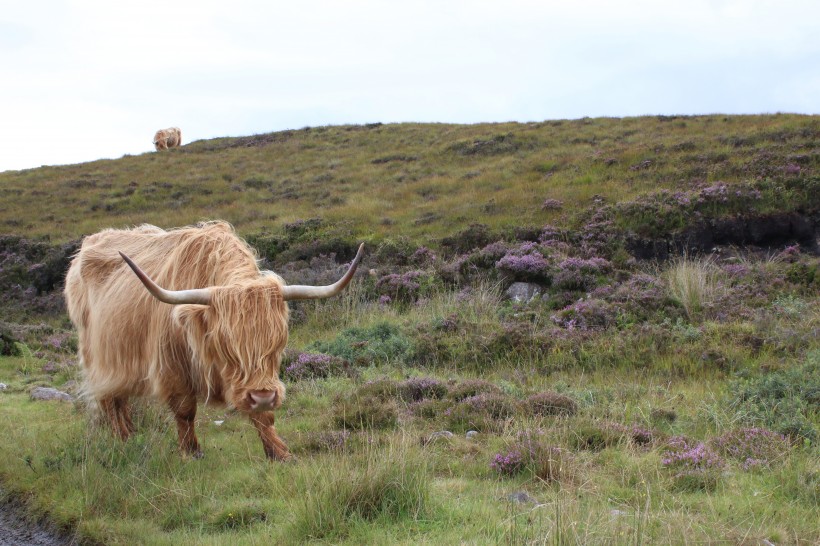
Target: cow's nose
{"type": "Point", "coordinates": [262, 400]}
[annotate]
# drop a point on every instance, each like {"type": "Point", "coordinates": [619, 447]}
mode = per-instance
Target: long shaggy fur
{"type": "Point", "coordinates": [133, 345]}
{"type": "Point", "coordinates": [167, 138]}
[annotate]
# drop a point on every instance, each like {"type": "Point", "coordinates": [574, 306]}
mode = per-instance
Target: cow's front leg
{"type": "Point", "coordinates": [184, 408]}
{"type": "Point", "coordinates": [274, 447]}
{"type": "Point", "coordinates": [119, 416]}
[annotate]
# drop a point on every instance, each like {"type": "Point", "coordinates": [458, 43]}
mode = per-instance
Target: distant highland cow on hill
{"type": "Point", "coordinates": [167, 138]}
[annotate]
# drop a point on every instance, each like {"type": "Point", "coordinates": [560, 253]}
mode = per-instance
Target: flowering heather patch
{"type": "Point", "coordinates": [401, 286]}
{"type": "Point", "coordinates": [695, 465]}
{"type": "Point", "coordinates": [585, 315]}
{"type": "Point", "coordinates": [421, 388]}
{"type": "Point", "coordinates": [790, 254]}
{"type": "Point", "coordinates": [580, 274]}
{"type": "Point", "coordinates": [507, 464]}
{"type": "Point", "coordinates": [423, 256]}
{"type": "Point", "coordinates": [735, 270]}
{"type": "Point", "coordinates": [551, 403]}
{"type": "Point", "coordinates": [495, 405]}
{"type": "Point", "coordinates": [315, 366]}
{"type": "Point", "coordinates": [753, 447]}
{"type": "Point", "coordinates": [552, 204]}
{"type": "Point", "coordinates": [525, 263]}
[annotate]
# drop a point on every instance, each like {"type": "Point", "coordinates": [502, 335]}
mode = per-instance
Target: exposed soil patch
{"type": "Point", "coordinates": [767, 231]}
{"type": "Point", "coordinates": [16, 530]}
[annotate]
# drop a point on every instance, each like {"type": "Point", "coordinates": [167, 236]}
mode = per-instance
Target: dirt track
{"type": "Point", "coordinates": [16, 531]}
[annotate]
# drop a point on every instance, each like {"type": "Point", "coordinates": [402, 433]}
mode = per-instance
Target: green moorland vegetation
{"type": "Point", "coordinates": [658, 381]}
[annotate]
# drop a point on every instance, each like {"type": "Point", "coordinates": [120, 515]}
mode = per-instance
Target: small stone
{"type": "Point", "coordinates": [471, 434]}
{"type": "Point", "coordinates": [218, 423]}
{"type": "Point", "coordinates": [615, 513]}
{"type": "Point", "coordinates": [521, 497]}
{"type": "Point", "coordinates": [47, 393]}
{"type": "Point", "coordinates": [3, 386]}
{"type": "Point", "coordinates": [441, 434]}
{"type": "Point", "coordinates": [523, 292]}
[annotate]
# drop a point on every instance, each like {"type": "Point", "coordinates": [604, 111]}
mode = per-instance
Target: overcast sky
{"type": "Point", "coordinates": [87, 79]}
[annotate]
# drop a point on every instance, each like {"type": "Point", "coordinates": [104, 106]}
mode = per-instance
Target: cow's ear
{"type": "Point", "coordinates": [193, 318]}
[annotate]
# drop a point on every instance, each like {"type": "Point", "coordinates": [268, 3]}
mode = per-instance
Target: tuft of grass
{"type": "Point", "coordinates": [382, 484]}
{"type": "Point", "coordinates": [694, 284]}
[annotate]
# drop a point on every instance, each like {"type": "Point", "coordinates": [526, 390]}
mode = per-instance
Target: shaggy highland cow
{"type": "Point", "coordinates": [207, 325]}
{"type": "Point", "coordinates": [167, 138]}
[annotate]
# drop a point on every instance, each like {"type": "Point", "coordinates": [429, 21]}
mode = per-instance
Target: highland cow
{"type": "Point", "coordinates": [207, 325]}
{"type": "Point", "coordinates": [167, 138]}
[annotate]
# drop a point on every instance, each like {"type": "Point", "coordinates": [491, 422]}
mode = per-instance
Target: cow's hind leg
{"type": "Point", "coordinates": [118, 412]}
{"type": "Point", "coordinates": [274, 447]}
{"type": "Point", "coordinates": [184, 408]}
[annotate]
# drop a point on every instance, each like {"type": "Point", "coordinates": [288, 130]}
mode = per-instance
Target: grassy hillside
{"type": "Point", "coordinates": [657, 383]}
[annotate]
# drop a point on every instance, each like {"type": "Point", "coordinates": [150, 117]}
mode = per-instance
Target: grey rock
{"type": "Point", "coordinates": [523, 292]}
{"type": "Point", "coordinates": [47, 393]}
{"type": "Point", "coordinates": [441, 434]}
{"type": "Point", "coordinates": [3, 386]}
{"type": "Point", "coordinates": [471, 434]}
{"type": "Point", "coordinates": [521, 497]}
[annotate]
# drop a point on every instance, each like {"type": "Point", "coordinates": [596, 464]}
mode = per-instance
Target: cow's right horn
{"type": "Point", "coordinates": [201, 296]}
{"type": "Point", "coordinates": [302, 292]}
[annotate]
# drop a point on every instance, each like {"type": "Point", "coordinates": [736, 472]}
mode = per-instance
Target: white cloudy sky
{"type": "Point", "coordinates": [87, 79]}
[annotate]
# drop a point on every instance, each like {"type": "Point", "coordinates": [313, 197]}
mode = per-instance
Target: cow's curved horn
{"type": "Point", "coordinates": [300, 292]}
{"type": "Point", "coordinates": [201, 296]}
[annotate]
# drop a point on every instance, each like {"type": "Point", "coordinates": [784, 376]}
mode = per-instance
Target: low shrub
{"type": "Point", "coordinates": [365, 412]}
{"type": "Point", "coordinates": [694, 465]}
{"type": "Point", "coordinates": [326, 441]}
{"type": "Point", "coordinates": [421, 388]}
{"type": "Point", "coordinates": [781, 400]}
{"type": "Point", "coordinates": [551, 403]}
{"type": "Point", "coordinates": [594, 435]}
{"type": "Point", "coordinates": [752, 447]}
{"type": "Point", "coordinates": [472, 387]}
{"type": "Point", "coordinates": [379, 343]}
{"type": "Point", "coordinates": [314, 366]}
{"type": "Point", "coordinates": [508, 464]}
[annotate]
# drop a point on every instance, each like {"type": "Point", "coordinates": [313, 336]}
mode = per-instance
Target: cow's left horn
{"type": "Point", "coordinates": [201, 296]}
{"type": "Point", "coordinates": [300, 292]}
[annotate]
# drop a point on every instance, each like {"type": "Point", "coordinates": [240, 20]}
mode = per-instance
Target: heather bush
{"type": "Point", "coordinates": [326, 441]}
{"type": "Point", "coordinates": [421, 388]}
{"type": "Point", "coordinates": [357, 412]}
{"type": "Point", "coordinates": [585, 315]}
{"type": "Point", "coordinates": [508, 464]}
{"type": "Point", "coordinates": [394, 252]}
{"type": "Point", "coordinates": [694, 466]}
{"type": "Point", "coordinates": [579, 273]}
{"type": "Point", "coordinates": [382, 388]}
{"type": "Point", "coordinates": [475, 236]}
{"type": "Point", "coordinates": [595, 435]}
{"type": "Point", "coordinates": [382, 342]}
{"type": "Point", "coordinates": [301, 366]}
{"type": "Point", "coordinates": [404, 287]}
{"type": "Point", "coordinates": [752, 447]}
{"type": "Point", "coordinates": [482, 412]}
{"type": "Point", "coordinates": [551, 403]}
{"type": "Point", "coordinates": [8, 343]}
{"type": "Point", "coordinates": [526, 263]}
{"type": "Point", "coordinates": [472, 387]}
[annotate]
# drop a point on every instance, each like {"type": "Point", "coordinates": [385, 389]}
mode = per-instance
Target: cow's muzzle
{"type": "Point", "coordinates": [262, 400]}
